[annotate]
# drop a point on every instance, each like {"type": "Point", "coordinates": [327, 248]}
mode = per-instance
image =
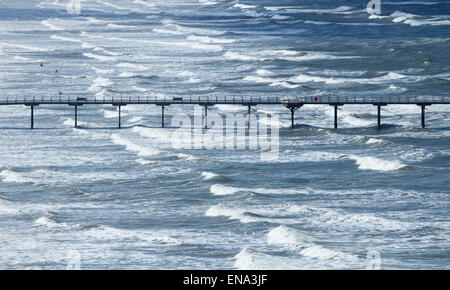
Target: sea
{"type": "Point", "coordinates": [96, 197]}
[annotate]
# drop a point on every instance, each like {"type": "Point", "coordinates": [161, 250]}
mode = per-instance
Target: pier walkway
{"type": "Point", "coordinates": [292, 103]}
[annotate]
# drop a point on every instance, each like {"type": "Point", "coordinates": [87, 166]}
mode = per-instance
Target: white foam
{"type": "Point", "coordinates": [230, 108]}
{"type": "Point", "coordinates": [210, 40]}
{"type": "Point", "coordinates": [236, 56]}
{"type": "Point", "coordinates": [99, 57]}
{"type": "Point", "coordinates": [8, 175]}
{"type": "Point", "coordinates": [248, 259]}
{"type": "Point", "coordinates": [264, 72]}
{"type": "Point", "coordinates": [338, 220]}
{"type": "Point", "coordinates": [304, 78]}
{"type": "Point", "coordinates": [374, 141]}
{"type": "Point", "coordinates": [372, 163]}
{"type": "Point", "coordinates": [93, 20]}
{"type": "Point", "coordinates": [48, 23]}
{"type": "Point", "coordinates": [107, 51]}
{"type": "Point", "coordinates": [119, 26]}
{"type": "Point", "coordinates": [209, 175]}
{"type": "Point", "coordinates": [47, 222]}
{"type": "Point", "coordinates": [286, 236]}
{"type": "Point", "coordinates": [68, 39]}
{"type": "Point", "coordinates": [141, 2]}
{"type": "Point", "coordinates": [339, 10]}
{"type": "Point", "coordinates": [257, 79]}
{"type": "Point", "coordinates": [189, 30]}
{"type": "Point", "coordinates": [127, 75]}
{"type": "Point", "coordinates": [209, 47]}
{"type": "Point", "coordinates": [99, 83]}
{"type": "Point", "coordinates": [87, 45]}
{"type": "Point", "coordinates": [207, 2]}
{"type": "Point", "coordinates": [280, 17]}
{"type": "Point", "coordinates": [71, 122]}
{"type": "Point", "coordinates": [26, 47]}
{"type": "Point", "coordinates": [21, 58]}
{"type": "Point", "coordinates": [7, 207]}
{"type": "Point", "coordinates": [232, 213]}
{"type": "Point", "coordinates": [397, 89]}
{"type": "Point", "coordinates": [145, 162]}
{"type": "Point", "coordinates": [321, 253]}
{"type": "Point", "coordinates": [130, 146]}
{"type": "Point", "coordinates": [139, 89]}
{"type": "Point", "coordinates": [167, 31]}
{"type": "Point", "coordinates": [317, 22]}
{"type": "Point", "coordinates": [113, 113]}
{"type": "Point", "coordinates": [138, 67]}
{"type": "Point", "coordinates": [244, 6]}
{"type": "Point", "coordinates": [416, 20]}
{"type": "Point", "coordinates": [219, 189]}
{"type": "Point", "coordinates": [284, 84]}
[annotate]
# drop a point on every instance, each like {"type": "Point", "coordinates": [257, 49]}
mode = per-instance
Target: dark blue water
{"type": "Point", "coordinates": [127, 198]}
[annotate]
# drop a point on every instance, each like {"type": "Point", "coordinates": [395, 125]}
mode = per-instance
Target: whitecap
{"type": "Point", "coordinates": [373, 163]}
{"type": "Point", "coordinates": [133, 147]}
{"type": "Point", "coordinates": [219, 189]}
{"type": "Point", "coordinates": [99, 57]}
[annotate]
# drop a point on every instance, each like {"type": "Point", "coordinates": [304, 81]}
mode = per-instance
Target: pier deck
{"type": "Point", "coordinates": [292, 103]}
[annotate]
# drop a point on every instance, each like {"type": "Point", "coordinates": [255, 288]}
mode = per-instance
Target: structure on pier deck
{"type": "Point", "coordinates": [292, 103]}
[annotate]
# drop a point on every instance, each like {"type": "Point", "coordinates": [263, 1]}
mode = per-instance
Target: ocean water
{"type": "Point", "coordinates": [126, 199]}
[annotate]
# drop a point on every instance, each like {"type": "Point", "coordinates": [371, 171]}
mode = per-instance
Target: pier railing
{"type": "Point", "coordinates": [244, 100]}
{"type": "Point", "coordinates": [292, 103]}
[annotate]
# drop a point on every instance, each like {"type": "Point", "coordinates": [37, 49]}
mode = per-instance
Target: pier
{"type": "Point", "coordinates": [291, 103]}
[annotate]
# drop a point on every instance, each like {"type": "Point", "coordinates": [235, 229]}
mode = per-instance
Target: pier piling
{"type": "Point", "coordinates": [206, 117]}
{"type": "Point", "coordinates": [379, 117]}
{"type": "Point", "coordinates": [423, 107]}
{"type": "Point", "coordinates": [336, 114]}
{"type": "Point", "coordinates": [76, 116]}
{"type": "Point", "coordinates": [423, 116]}
{"type": "Point", "coordinates": [75, 112]}
{"type": "Point", "coordinates": [163, 107]}
{"type": "Point", "coordinates": [32, 117]}
{"type": "Point", "coordinates": [379, 114]}
{"type": "Point", "coordinates": [162, 116]}
{"type": "Point", "coordinates": [335, 117]}
{"type": "Point", "coordinates": [31, 114]}
{"type": "Point", "coordinates": [119, 106]}
{"type": "Point", "coordinates": [293, 108]}
{"type": "Point", "coordinates": [292, 103]}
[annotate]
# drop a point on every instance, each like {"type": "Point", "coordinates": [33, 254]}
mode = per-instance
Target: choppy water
{"type": "Point", "coordinates": [127, 199]}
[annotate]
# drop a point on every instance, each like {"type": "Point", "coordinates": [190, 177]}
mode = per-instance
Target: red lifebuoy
{"type": "Point", "coordinates": [315, 99]}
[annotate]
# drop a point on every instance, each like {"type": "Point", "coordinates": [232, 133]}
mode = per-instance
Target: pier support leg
{"type": "Point", "coordinates": [379, 105]}
{"type": "Point", "coordinates": [379, 117]}
{"type": "Point", "coordinates": [293, 108]}
{"type": "Point", "coordinates": [162, 116]}
{"type": "Point", "coordinates": [120, 123]}
{"type": "Point", "coordinates": [292, 118]}
{"type": "Point", "coordinates": [249, 112]}
{"type": "Point", "coordinates": [335, 117]}
{"type": "Point", "coordinates": [423, 116]}
{"type": "Point", "coordinates": [336, 105]}
{"type": "Point", "coordinates": [31, 114]}
{"type": "Point", "coordinates": [32, 117]}
{"type": "Point", "coordinates": [423, 107]}
{"type": "Point", "coordinates": [206, 117]}
{"type": "Point", "coordinates": [119, 107]}
{"type": "Point", "coordinates": [76, 116]}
